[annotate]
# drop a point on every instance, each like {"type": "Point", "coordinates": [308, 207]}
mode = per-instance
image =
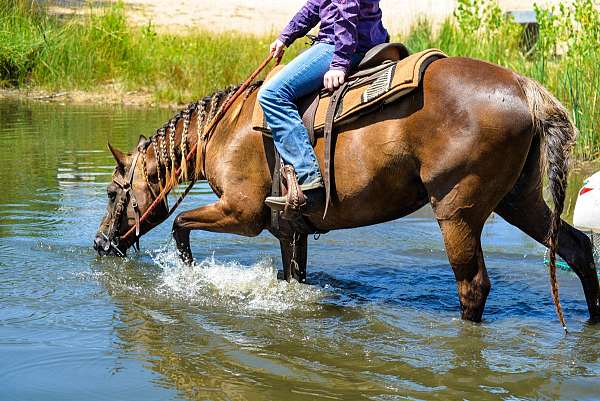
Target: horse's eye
{"type": "Point", "coordinates": [111, 191]}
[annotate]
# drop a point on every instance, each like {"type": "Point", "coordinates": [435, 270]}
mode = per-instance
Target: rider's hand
{"type": "Point", "coordinates": [333, 79]}
{"type": "Point", "coordinates": [277, 48]}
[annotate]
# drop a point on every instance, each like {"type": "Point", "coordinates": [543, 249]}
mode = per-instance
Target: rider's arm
{"type": "Point", "coordinates": [306, 19]}
{"type": "Point", "coordinates": [346, 34]}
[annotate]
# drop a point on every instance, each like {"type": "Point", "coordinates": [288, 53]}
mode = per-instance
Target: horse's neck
{"type": "Point", "coordinates": [227, 132]}
{"type": "Point", "coordinates": [169, 149]}
{"type": "Point", "coordinates": [237, 154]}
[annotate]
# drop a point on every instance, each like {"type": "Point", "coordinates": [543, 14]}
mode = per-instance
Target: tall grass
{"type": "Point", "coordinates": [565, 58]}
{"type": "Point", "coordinates": [21, 39]}
{"type": "Point", "coordinates": [100, 48]}
{"type": "Point", "coordinates": [38, 49]}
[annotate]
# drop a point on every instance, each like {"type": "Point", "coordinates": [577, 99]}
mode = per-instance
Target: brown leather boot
{"type": "Point", "coordinates": [295, 202]}
{"type": "Point", "coordinates": [314, 201]}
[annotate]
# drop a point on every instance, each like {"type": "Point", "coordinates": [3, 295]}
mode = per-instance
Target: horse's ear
{"type": "Point", "coordinates": [119, 156]}
{"type": "Point", "coordinates": [142, 140]}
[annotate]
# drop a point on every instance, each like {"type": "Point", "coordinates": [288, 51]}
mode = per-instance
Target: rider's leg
{"type": "Point", "coordinates": [300, 77]}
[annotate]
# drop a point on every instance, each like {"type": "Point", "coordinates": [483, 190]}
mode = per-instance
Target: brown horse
{"type": "Point", "coordinates": [472, 140]}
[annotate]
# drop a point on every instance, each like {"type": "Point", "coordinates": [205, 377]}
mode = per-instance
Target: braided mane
{"type": "Point", "coordinates": [165, 147]}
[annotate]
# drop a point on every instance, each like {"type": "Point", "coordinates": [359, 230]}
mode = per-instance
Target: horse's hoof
{"type": "Point", "coordinates": [595, 319]}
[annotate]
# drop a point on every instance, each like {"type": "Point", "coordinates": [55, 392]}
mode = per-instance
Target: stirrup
{"type": "Point", "coordinates": [276, 203]}
{"type": "Point", "coordinates": [295, 200]}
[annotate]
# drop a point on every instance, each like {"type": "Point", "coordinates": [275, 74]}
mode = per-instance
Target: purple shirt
{"type": "Point", "coordinates": [351, 25]}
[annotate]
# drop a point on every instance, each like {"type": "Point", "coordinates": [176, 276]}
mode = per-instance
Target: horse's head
{"type": "Point", "coordinates": [130, 194]}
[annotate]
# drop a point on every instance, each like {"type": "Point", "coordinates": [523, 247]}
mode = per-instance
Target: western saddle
{"type": "Point", "coordinates": [386, 73]}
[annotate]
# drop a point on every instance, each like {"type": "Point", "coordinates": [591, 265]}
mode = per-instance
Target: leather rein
{"type": "Point", "coordinates": [127, 196]}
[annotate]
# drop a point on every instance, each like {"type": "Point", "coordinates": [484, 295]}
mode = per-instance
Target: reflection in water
{"type": "Point", "coordinates": [379, 319]}
{"type": "Point", "coordinates": [240, 351]}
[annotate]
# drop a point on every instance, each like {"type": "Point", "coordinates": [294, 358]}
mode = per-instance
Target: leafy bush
{"type": "Point", "coordinates": [21, 39]}
{"type": "Point", "coordinates": [565, 58]}
{"type": "Point", "coordinates": [38, 49]}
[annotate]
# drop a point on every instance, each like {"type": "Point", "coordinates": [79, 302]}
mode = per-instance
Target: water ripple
{"type": "Point", "coordinates": [378, 319]}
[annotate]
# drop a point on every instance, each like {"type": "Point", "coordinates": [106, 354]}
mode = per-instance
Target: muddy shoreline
{"type": "Point", "coordinates": [104, 96]}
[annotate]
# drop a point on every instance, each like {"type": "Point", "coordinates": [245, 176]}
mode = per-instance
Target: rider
{"type": "Point", "coordinates": [348, 28]}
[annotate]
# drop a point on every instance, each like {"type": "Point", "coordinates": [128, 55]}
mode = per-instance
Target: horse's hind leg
{"type": "Point", "coordinates": [525, 208]}
{"type": "Point", "coordinates": [463, 247]}
{"type": "Point", "coordinates": [461, 213]}
{"type": "Point", "coordinates": [531, 214]}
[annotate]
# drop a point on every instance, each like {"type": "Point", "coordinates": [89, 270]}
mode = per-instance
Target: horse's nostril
{"type": "Point", "coordinates": [98, 243]}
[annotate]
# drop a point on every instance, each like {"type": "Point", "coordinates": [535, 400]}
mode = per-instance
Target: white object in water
{"type": "Point", "coordinates": [587, 208]}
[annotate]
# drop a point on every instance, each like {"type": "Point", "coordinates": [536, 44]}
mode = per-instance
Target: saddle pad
{"type": "Point", "coordinates": [384, 86]}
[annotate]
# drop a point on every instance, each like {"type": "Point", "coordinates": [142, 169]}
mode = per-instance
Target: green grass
{"type": "Point", "coordinates": [566, 57]}
{"type": "Point", "coordinates": [40, 50]}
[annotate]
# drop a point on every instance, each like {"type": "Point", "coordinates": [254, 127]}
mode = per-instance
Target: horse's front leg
{"type": "Point", "coordinates": [222, 216]}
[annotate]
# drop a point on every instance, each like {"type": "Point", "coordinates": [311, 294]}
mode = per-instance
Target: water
{"type": "Point", "coordinates": [378, 321]}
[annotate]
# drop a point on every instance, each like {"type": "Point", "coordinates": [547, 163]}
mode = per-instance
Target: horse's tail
{"type": "Point", "coordinates": [551, 122]}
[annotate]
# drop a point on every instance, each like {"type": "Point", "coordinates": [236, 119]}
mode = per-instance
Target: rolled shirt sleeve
{"type": "Point", "coordinates": [345, 32]}
{"type": "Point", "coordinates": [304, 20]}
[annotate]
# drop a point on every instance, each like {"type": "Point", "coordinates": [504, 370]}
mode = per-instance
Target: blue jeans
{"type": "Point", "coordinates": [277, 96]}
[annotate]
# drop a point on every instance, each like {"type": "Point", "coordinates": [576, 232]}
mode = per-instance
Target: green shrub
{"type": "Point", "coordinates": [38, 49]}
{"type": "Point", "coordinates": [566, 56]}
{"type": "Point", "coordinates": [22, 26]}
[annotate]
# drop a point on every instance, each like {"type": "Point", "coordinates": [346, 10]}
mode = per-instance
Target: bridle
{"type": "Point", "coordinates": [126, 195]}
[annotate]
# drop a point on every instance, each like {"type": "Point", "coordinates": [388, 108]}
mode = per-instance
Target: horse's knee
{"type": "Point", "coordinates": [179, 224]}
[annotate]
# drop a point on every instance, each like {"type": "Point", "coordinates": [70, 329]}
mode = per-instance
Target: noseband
{"type": "Point", "coordinates": [125, 196]}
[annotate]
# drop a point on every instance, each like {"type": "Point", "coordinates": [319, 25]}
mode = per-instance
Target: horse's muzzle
{"type": "Point", "coordinates": [105, 248]}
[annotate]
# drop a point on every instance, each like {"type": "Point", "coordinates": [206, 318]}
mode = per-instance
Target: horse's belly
{"type": "Point", "coordinates": [375, 180]}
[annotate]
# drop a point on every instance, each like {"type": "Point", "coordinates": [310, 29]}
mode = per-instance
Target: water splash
{"type": "Point", "coordinates": [233, 285]}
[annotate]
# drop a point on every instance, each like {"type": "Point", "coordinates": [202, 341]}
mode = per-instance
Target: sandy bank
{"type": "Point", "coordinates": [269, 17]}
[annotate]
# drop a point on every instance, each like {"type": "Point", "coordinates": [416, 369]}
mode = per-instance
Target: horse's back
{"type": "Point", "coordinates": [469, 118]}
